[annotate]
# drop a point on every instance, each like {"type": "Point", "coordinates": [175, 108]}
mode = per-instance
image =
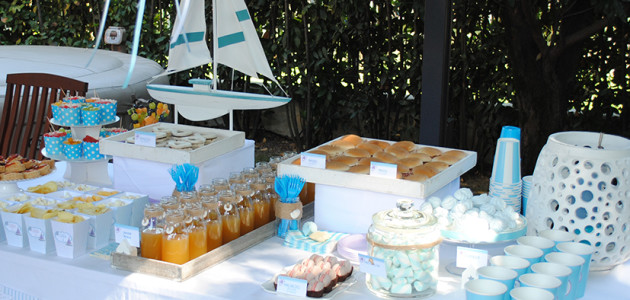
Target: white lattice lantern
{"type": "Point", "coordinates": [583, 189]}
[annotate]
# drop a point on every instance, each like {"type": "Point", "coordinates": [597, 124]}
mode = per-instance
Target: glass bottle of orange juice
{"type": "Point", "coordinates": [270, 179]}
{"type": "Point", "coordinates": [196, 227]}
{"type": "Point", "coordinates": [175, 241]}
{"type": "Point", "coordinates": [260, 201]}
{"type": "Point", "coordinates": [245, 206]}
{"type": "Point", "coordinates": [249, 174]}
{"type": "Point", "coordinates": [213, 222]}
{"type": "Point", "coordinates": [152, 229]}
{"type": "Point", "coordinates": [230, 216]}
{"type": "Point", "coordinates": [169, 203]}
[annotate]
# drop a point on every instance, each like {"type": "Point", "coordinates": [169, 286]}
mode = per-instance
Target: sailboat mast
{"type": "Point", "coordinates": [215, 45]}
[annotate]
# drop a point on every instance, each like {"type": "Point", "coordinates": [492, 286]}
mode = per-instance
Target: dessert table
{"type": "Point", "coordinates": [29, 275]}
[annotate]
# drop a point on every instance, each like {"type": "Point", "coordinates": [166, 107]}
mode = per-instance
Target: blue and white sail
{"type": "Point", "coordinates": [235, 44]}
{"type": "Point", "coordinates": [188, 47]}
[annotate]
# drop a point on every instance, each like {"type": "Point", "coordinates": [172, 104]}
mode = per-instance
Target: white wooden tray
{"type": "Point", "coordinates": [225, 142]}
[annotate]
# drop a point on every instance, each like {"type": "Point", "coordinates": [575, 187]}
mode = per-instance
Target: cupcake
{"type": "Point", "coordinates": [91, 148]}
{"type": "Point", "coordinates": [73, 149]}
{"type": "Point", "coordinates": [53, 142]}
{"type": "Point", "coordinates": [90, 115]}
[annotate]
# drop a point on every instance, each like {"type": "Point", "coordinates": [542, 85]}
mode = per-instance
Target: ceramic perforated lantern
{"type": "Point", "coordinates": [581, 184]}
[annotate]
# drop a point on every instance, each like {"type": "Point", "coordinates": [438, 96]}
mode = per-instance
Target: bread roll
{"type": "Point", "coordinates": [456, 153]}
{"type": "Point", "coordinates": [352, 138]}
{"type": "Point", "coordinates": [397, 151]}
{"type": "Point", "coordinates": [381, 144]}
{"type": "Point", "coordinates": [407, 145]}
{"type": "Point", "coordinates": [337, 166]}
{"type": "Point", "coordinates": [368, 161]}
{"type": "Point", "coordinates": [433, 152]}
{"type": "Point", "coordinates": [385, 157]}
{"type": "Point", "coordinates": [344, 159]}
{"type": "Point", "coordinates": [360, 169]}
{"type": "Point", "coordinates": [447, 159]}
{"type": "Point", "coordinates": [345, 145]}
{"type": "Point", "coordinates": [429, 172]}
{"type": "Point", "coordinates": [422, 156]}
{"type": "Point", "coordinates": [438, 166]}
{"type": "Point", "coordinates": [369, 147]}
{"type": "Point", "coordinates": [356, 152]}
{"type": "Point", "coordinates": [330, 149]}
{"type": "Point", "coordinates": [410, 162]}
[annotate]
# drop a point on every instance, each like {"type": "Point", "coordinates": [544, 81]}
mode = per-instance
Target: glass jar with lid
{"type": "Point", "coordinates": [245, 206]}
{"type": "Point", "coordinates": [187, 198]}
{"type": "Point", "coordinates": [230, 216]}
{"type": "Point", "coordinates": [213, 222]}
{"type": "Point", "coordinates": [175, 240]}
{"type": "Point", "coordinates": [196, 228]}
{"type": "Point", "coordinates": [152, 229]}
{"type": "Point", "coordinates": [261, 202]}
{"type": "Point", "coordinates": [408, 241]}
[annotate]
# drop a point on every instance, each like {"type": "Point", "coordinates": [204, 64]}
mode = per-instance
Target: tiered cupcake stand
{"type": "Point", "coordinates": [84, 170]}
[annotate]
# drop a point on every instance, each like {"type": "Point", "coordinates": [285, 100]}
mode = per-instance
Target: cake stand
{"type": "Point", "coordinates": [490, 241]}
{"type": "Point", "coordinates": [9, 187]}
{"type": "Point", "coordinates": [80, 131]}
{"type": "Point", "coordinates": [87, 171]}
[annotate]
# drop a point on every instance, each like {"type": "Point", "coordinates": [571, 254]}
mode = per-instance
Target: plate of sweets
{"type": "Point", "coordinates": [475, 219]}
{"type": "Point", "coordinates": [325, 276]}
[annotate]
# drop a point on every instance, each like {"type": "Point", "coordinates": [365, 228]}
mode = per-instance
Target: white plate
{"type": "Point", "coordinates": [338, 288]}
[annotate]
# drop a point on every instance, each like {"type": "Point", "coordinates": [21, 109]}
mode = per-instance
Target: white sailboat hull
{"type": "Point", "coordinates": [197, 104]}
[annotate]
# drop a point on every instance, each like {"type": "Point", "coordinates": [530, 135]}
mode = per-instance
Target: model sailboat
{"type": "Point", "coordinates": [235, 44]}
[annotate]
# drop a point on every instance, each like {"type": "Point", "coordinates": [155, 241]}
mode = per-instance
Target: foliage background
{"type": "Point", "coordinates": [355, 65]}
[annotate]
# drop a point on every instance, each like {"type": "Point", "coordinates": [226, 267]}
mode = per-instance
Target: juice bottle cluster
{"type": "Point", "coordinates": [183, 227]}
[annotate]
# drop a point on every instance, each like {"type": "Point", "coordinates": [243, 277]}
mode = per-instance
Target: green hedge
{"type": "Point", "coordinates": [355, 65]}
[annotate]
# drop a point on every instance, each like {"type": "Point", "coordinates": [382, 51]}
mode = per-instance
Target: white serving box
{"type": "Point", "coordinates": [137, 207]}
{"type": "Point", "coordinates": [141, 176]}
{"type": "Point", "coordinates": [121, 214]}
{"type": "Point", "coordinates": [345, 202]}
{"type": "Point", "coordinates": [138, 168]}
{"type": "Point", "coordinates": [70, 238]}
{"type": "Point", "coordinates": [39, 232]}
{"type": "Point", "coordinates": [14, 229]}
{"type": "Point", "coordinates": [100, 228]}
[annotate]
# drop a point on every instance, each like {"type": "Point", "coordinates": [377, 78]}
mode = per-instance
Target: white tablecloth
{"type": "Point", "coordinates": [27, 275]}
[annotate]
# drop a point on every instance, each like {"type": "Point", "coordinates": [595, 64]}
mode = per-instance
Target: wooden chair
{"type": "Point", "coordinates": [27, 109]}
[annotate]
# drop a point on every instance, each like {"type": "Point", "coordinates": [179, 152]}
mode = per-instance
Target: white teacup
{"type": "Point", "coordinates": [544, 244]}
{"type": "Point", "coordinates": [541, 281]}
{"type": "Point", "coordinates": [530, 293]}
{"type": "Point", "coordinates": [574, 262]}
{"type": "Point", "coordinates": [585, 251]}
{"type": "Point", "coordinates": [557, 236]}
{"type": "Point", "coordinates": [531, 254]}
{"type": "Point", "coordinates": [500, 274]}
{"type": "Point", "coordinates": [484, 289]}
{"type": "Point", "coordinates": [520, 265]}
